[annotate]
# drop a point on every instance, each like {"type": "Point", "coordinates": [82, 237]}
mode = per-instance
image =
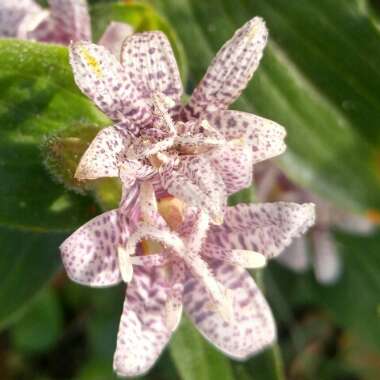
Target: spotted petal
{"type": "Point", "coordinates": [90, 253]}
{"type": "Point", "coordinates": [17, 18]}
{"type": "Point", "coordinates": [143, 332]}
{"type": "Point", "coordinates": [195, 182]}
{"type": "Point", "coordinates": [150, 62]}
{"type": "Point", "coordinates": [231, 69]}
{"type": "Point", "coordinates": [104, 155]}
{"type": "Point", "coordinates": [101, 77]}
{"type": "Point", "coordinates": [114, 37]}
{"type": "Point", "coordinates": [251, 327]}
{"type": "Point", "coordinates": [267, 228]}
{"type": "Point", "coordinates": [264, 136]}
{"type": "Point", "coordinates": [69, 21]}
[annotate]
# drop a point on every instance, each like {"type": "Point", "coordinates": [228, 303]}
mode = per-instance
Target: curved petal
{"type": "Point", "coordinates": [69, 21]}
{"type": "Point", "coordinates": [104, 155]}
{"type": "Point", "coordinates": [150, 62]}
{"type": "Point", "coordinates": [251, 327]}
{"type": "Point", "coordinates": [13, 16]}
{"type": "Point", "coordinates": [101, 77]}
{"type": "Point", "coordinates": [264, 136]}
{"type": "Point", "coordinates": [195, 182]}
{"type": "Point", "coordinates": [114, 36]}
{"type": "Point", "coordinates": [90, 253]}
{"type": "Point", "coordinates": [267, 228]}
{"type": "Point", "coordinates": [143, 332]}
{"type": "Point", "coordinates": [231, 69]}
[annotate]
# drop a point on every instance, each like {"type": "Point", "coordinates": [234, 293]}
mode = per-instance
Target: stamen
{"type": "Point", "coordinates": [248, 259]}
{"type": "Point", "coordinates": [162, 103]}
{"type": "Point", "coordinates": [173, 308]}
{"type": "Point", "coordinates": [125, 264]}
{"type": "Point", "coordinates": [148, 203]}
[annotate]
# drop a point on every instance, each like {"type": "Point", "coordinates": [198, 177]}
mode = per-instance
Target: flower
{"type": "Point", "coordinates": [65, 21]}
{"type": "Point", "coordinates": [273, 185]}
{"type": "Point", "coordinates": [200, 152]}
{"type": "Point", "coordinates": [172, 258]}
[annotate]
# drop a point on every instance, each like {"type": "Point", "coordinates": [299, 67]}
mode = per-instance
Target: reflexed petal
{"type": "Point", "coordinates": [90, 253]}
{"type": "Point", "coordinates": [143, 333]}
{"type": "Point", "coordinates": [296, 255]}
{"type": "Point", "coordinates": [231, 69]}
{"type": "Point", "coordinates": [327, 263]}
{"type": "Point", "coordinates": [13, 16]}
{"type": "Point", "coordinates": [267, 228]}
{"type": "Point", "coordinates": [265, 136]}
{"type": "Point", "coordinates": [101, 77]}
{"type": "Point", "coordinates": [251, 327]}
{"type": "Point", "coordinates": [195, 182]}
{"type": "Point", "coordinates": [149, 59]}
{"type": "Point", "coordinates": [114, 37]}
{"type": "Point", "coordinates": [104, 155]}
{"type": "Point", "coordinates": [234, 164]}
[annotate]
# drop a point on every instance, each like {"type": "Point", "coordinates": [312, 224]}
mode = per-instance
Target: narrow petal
{"type": "Point", "coordinates": [327, 263]}
{"type": "Point", "coordinates": [231, 69]}
{"type": "Point", "coordinates": [195, 182]}
{"type": "Point", "coordinates": [90, 253]}
{"type": "Point", "coordinates": [19, 17]}
{"type": "Point", "coordinates": [265, 137]}
{"type": "Point", "coordinates": [114, 37]}
{"type": "Point", "coordinates": [104, 155]}
{"type": "Point", "coordinates": [143, 333]}
{"type": "Point", "coordinates": [267, 228]}
{"type": "Point", "coordinates": [296, 256]}
{"type": "Point", "coordinates": [101, 77]}
{"type": "Point", "coordinates": [355, 224]}
{"type": "Point", "coordinates": [251, 327]}
{"type": "Point", "coordinates": [150, 62]}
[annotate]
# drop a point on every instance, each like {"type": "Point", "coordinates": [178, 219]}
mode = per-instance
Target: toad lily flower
{"type": "Point", "coordinates": [201, 152]}
{"type": "Point", "coordinates": [172, 259]}
{"type": "Point", "coordinates": [65, 21]}
{"type": "Point", "coordinates": [273, 185]}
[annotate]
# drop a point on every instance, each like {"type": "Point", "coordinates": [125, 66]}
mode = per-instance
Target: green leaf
{"type": "Point", "coordinates": [38, 97]}
{"type": "Point", "coordinates": [142, 17]}
{"type": "Point", "coordinates": [41, 326]}
{"type": "Point", "coordinates": [195, 358]}
{"type": "Point", "coordinates": [27, 261]}
{"type": "Point", "coordinates": [305, 83]}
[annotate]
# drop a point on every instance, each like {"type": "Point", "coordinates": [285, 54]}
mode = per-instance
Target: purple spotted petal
{"type": "Point", "coordinates": [90, 253]}
{"type": "Point", "coordinates": [195, 182]}
{"type": "Point", "coordinates": [231, 70]}
{"type": "Point", "coordinates": [251, 327]}
{"type": "Point", "coordinates": [150, 62]}
{"type": "Point", "coordinates": [267, 228]}
{"type": "Point", "coordinates": [68, 21]}
{"type": "Point", "coordinates": [114, 37]}
{"type": "Point", "coordinates": [265, 136]}
{"type": "Point", "coordinates": [18, 17]}
{"type": "Point", "coordinates": [104, 155]}
{"type": "Point", "coordinates": [143, 333]}
{"type": "Point", "coordinates": [101, 77]}
{"type": "Point", "coordinates": [234, 164]}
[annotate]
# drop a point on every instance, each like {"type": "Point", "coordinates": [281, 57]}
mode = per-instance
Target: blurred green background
{"type": "Point", "coordinates": [320, 78]}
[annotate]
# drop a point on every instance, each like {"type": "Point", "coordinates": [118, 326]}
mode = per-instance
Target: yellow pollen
{"type": "Point", "coordinates": [91, 61]}
{"type": "Point", "coordinates": [150, 246]}
{"type": "Point", "coordinates": [171, 209]}
{"type": "Point", "coordinates": [373, 216]}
